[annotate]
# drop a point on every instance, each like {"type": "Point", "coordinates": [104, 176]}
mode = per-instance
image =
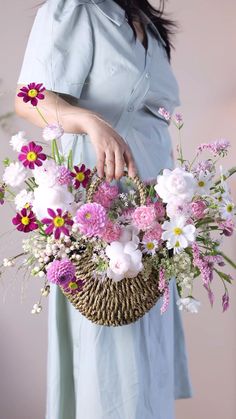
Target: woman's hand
{"type": "Point", "coordinates": [111, 150]}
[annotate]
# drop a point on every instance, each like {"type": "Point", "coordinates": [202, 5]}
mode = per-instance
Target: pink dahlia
{"type": "Point", "coordinates": [25, 220]}
{"type": "Point", "coordinates": [91, 219]}
{"type": "Point", "coordinates": [58, 223]}
{"type": "Point", "coordinates": [64, 176]}
{"type": "Point", "coordinates": [198, 209]}
{"type": "Point", "coordinates": [31, 155]}
{"type": "Point", "coordinates": [111, 232]}
{"type": "Point", "coordinates": [32, 93]}
{"type": "Point", "coordinates": [105, 194]}
{"type": "Point", "coordinates": [144, 216]}
{"type": "Point", "coordinates": [61, 272]}
{"type": "Point", "coordinates": [154, 233]}
{"type": "Point", "coordinates": [81, 176]}
{"type": "Point", "coordinates": [52, 132]}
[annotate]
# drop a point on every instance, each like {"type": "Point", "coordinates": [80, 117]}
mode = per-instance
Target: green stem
{"type": "Point", "coordinates": [56, 151]}
{"type": "Point", "coordinates": [70, 161]}
{"type": "Point", "coordinates": [29, 186]}
{"type": "Point", "coordinates": [10, 192]}
{"type": "Point", "coordinates": [41, 115]}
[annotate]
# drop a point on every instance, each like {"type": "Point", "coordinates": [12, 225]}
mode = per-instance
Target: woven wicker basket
{"type": "Point", "coordinates": [112, 303]}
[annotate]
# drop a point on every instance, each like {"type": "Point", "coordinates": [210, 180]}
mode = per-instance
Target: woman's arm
{"type": "Point", "coordinates": [111, 150]}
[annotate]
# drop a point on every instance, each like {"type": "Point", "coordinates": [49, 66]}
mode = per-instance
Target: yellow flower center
{"type": "Point", "coordinates": [88, 215]}
{"type": "Point", "coordinates": [150, 246]}
{"type": "Point", "coordinates": [32, 93]}
{"type": "Point", "coordinates": [27, 205]}
{"type": "Point", "coordinates": [25, 221]}
{"type": "Point", "coordinates": [73, 286]}
{"type": "Point", "coordinates": [177, 231]}
{"type": "Point", "coordinates": [80, 176]}
{"type": "Point", "coordinates": [201, 183]}
{"type": "Point", "coordinates": [58, 221]}
{"type": "Point", "coordinates": [220, 198]}
{"type": "Point", "coordinates": [229, 208]}
{"type": "Point", "coordinates": [31, 156]}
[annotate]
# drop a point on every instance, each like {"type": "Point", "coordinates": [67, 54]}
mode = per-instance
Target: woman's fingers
{"type": "Point", "coordinates": [132, 170]}
{"type": "Point", "coordinates": [100, 163]}
{"type": "Point", "coordinates": [119, 164]}
{"type": "Point", "coordinates": [110, 165]}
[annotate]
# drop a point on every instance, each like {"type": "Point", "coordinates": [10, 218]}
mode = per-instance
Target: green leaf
{"type": "Point", "coordinates": [222, 275]}
{"type": "Point", "coordinates": [6, 162]}
{"type": "Point", "coordinates": [230, 262]}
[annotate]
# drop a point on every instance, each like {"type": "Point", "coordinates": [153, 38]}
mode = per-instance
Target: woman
{"type": "Point", "coordinates": [105, 65]}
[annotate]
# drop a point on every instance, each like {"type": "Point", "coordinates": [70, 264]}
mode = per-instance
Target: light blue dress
{"type": "Point", "coordinates": [87, 50]}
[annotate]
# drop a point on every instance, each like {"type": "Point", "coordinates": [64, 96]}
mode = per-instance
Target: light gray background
{"type": "Point", "coordinates": [205, 65]}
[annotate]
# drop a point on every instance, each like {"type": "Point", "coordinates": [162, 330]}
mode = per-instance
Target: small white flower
{"type": "Point", "coordinates": [150, 247]}
{"type": "Point", "coordinates": [227, 209]}
{"type": "Point", "coordinates": [188, 304]}
{"type": "Point", "coordinates": [14, 174]}
{"type": "Point", "coordinates": [176, 184]}
{"type": "Point", "coordinates": [22, 199]}
{"type": "Point", "coordinates": [204, 183]}
{"type": "Point", "coordinates": [18, 140]}
{"type": "Point", "coordinates": [53, 132]}
{"type": "Point", "coordinates": [7, 263]}
{"type": "Point", "coordinates": [178, 234]}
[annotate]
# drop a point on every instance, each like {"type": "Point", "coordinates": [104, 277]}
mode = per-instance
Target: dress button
{"type": "Point", "coordinates": [147, 76]}
{"type": "Point", "coordinates": [130, 108]}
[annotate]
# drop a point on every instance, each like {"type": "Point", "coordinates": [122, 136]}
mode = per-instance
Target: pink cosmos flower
{"type": "Point", "coordinates": [92, 219]}
{"type": "Point", "coordinates": [58, 223]}
{"type": "Point", "coordinates": [25, 220]}
{"type": "Point", "coordinates": [31, 155]}
{"type": "Point", "coordinates": [61, 272]}
{"type": "Point", "coordinates": [81, 176]}
{"type": "Point", "coordinates": [198, 209]}
{"type": "Point", "coordinates": [32, 93]}
{"type": "Point", "coordinates": [144, 216]}
{"type": "Point", "coordinates": [111, 232]}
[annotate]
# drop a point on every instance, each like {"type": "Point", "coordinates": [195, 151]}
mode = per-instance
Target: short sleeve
{"type": "Point", "coordinates": [59, 52]}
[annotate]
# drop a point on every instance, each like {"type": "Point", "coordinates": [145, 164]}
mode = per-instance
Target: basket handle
{"type": "Point", "coordinates": [94, 184]}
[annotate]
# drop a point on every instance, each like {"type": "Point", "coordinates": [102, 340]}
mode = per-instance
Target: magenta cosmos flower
{"type": "Point", "coordinates": [58, 223]}
{"type": "Point", "coordinates": [81, 176]}
{"type": "Point", "coordinates": [91, 219]}
{"type": "Point", "coordinates": [31, 155]}
{"type": "Point", "coordinates": [32, 93]}
{"type": "Point", "coordinates": [25, 220]}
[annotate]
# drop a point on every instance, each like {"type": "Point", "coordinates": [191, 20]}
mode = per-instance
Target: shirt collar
{"type": "Point", "coordinates": [116, 14]}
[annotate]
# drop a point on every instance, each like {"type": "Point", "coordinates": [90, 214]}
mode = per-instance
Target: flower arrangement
{"type": "Point", "coordinates": [173, 226]}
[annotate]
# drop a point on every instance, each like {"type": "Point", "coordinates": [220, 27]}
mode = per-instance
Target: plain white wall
{"type": "Point", "coordinates": [205, 66]}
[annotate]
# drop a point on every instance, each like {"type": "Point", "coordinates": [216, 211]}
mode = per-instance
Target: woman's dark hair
{"type": "Point", "coordinates": [166, 27]}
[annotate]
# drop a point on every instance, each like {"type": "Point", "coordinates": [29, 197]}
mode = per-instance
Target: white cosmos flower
{"type": "Point", "coordinates": [204, 183]}
{"type": "Point", "coordinates": [150, 247]}
{"type": "Point", "coordinates": [18, 140]}
{"type": "Point", "coordinates": [188, 304]}
{"type": "Point", "coordinates": [176, 184]}
{"type": "Point", "coordinates": [178, 234]}
{"type": "Point", "coordinates": [22, 199]}
{"type": "Point", "coordinates": [125, 260]}
{"type": "Point", "coordinates": [227, 209]}
{"type": "Point", "coordinates": [14, 174]}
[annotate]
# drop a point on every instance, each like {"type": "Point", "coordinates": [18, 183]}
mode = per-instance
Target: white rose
{"type": "Point", "coordinates": [176, 184]}
{"type": "Point", "coordinates": [23, 198]}
{"type": "Point", "coordinates": [14, 174]}
{"type": "Point", "coordinates": [125, 260]}
{"type": "Point", "coordinates": [46, 197]}
{"type": "Point", "coordinates": [188, 304]}
{"type": "Point", "coordinates": [47, 174]}
{"type": "Point", "coordinates": [18, 140]}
